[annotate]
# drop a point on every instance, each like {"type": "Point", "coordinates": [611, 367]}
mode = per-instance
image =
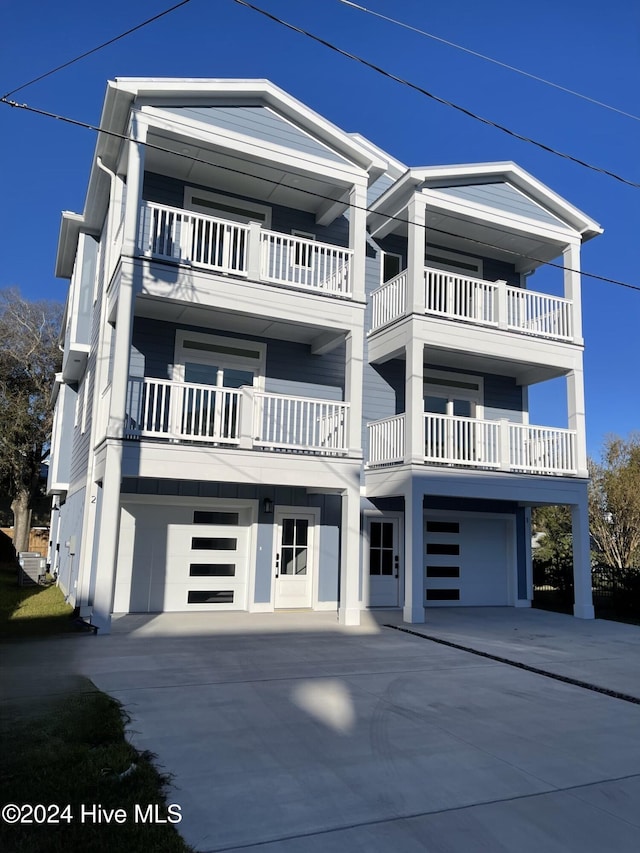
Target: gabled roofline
{"type": "Point", "coordinates": [432, 176]}
{"type": "Point", "coordinates": [124, 93]}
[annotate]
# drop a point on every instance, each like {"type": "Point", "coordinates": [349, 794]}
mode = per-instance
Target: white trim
{"type": "Point", "coordinates": [238, 213]}
{"type": "Point", "coordinates": [221, 359]}
{"type": "Point", "coordinates": [313, 514]}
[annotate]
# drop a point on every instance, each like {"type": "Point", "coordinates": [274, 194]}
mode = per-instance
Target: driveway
{"type": "Point", "coordinates": [288, 733]}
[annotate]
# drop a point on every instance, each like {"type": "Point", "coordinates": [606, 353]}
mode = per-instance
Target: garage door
{"type": "Point", "coordinates": [467, 561]}
{"type": "Point", "coordinates": [185, 558]}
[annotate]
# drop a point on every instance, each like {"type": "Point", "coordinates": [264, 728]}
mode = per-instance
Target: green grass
{"type": "Point", "coordinates": [29, 611]}
{"type": "Point", "coordinates": [73, 752]}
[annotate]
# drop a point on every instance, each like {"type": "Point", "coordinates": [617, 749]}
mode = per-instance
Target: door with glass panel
{"type": "Point", "coordinates": [384, 562]}
{"type": "Point", "coordinates": [294, 563]}
{"type": "Point", "coordinates": [451, 435]}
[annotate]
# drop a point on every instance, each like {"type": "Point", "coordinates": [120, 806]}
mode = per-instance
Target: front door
{"type": "Point", "coordinates": [384, 562]}
{"type": "Point", "coordinates": [294, 559]}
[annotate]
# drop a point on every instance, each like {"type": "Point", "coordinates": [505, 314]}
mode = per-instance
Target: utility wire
{"type": "Point", "coordinates": [96, 49]}
{"type": "Point", "coordinates": [488, 58]}
{"type": "Point", "coordinates": [389, 75]}
{"type": "Point", "coordinates": [125, 138]}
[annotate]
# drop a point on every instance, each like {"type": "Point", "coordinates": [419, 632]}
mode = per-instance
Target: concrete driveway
{"type": "Point", "coordinates": [287, 733]}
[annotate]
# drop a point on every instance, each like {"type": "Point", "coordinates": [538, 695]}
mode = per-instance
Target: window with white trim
{"type": "Point", "coordinates": [442, 259]}
{"type": "Point", "coordinates": [215, 360]}
{"type": "Point", "coordinates": [226, 207]}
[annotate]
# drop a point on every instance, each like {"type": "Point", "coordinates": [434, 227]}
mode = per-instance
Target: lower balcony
{"type": "Point", "coordinates": [186, 413]}
{"type": "Point", "coordinates": [474, 443]}
{"type": "Point", "coordinates": [471, 300]}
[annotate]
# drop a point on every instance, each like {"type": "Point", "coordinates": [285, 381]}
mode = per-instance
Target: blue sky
{"type": "Point", "coordinates": [588, 46]}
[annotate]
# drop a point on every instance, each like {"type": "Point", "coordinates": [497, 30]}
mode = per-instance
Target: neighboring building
{"type": "Point", "coordinates": [276, 393]}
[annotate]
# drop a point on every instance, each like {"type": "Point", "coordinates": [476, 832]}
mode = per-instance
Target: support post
{"type": "Point", "coordinates": [254, 252]}
{"type": "Point", "coordinates": [582, 590]}
{"type": "Point", "coordinates": [576, 418]}
{"type": "Point", "coordinates": [349, 607]}
{"type": "Point", "coordinates": [572, 287]}
{"type": "Point", "coordinates": [357, 240]}
{"type": "Point", "coordinates": [414, 585]}
{"type": "Point", "coordinates": [414, 402]}
{"type": "Point", "coordinates": [416, 247]}
{"type": "Point", "coordinates": [353, 373]}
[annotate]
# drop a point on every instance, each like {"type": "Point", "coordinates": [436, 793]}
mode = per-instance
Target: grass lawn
{"type": "Point", "coordinates": [64, 745]}
{"type": "Point", "coordinates": [29, 611]}
{"type": "Point", "coordinates": [74, 753]}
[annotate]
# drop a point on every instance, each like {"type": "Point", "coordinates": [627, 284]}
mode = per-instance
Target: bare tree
{"type": "Point", "coordinates": [29, 359]}
{"type": "Point", "coordinates": [614, 502]}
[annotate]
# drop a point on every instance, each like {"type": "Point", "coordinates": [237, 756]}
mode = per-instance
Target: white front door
{"type": "Point", "coordinates": [384, 562]}
{"type": "Point", "coordinates": [294, 564]}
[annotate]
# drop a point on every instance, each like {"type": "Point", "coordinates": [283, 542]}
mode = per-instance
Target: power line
{"type": "Point", "coordinates": [125, 138]}
{"type": "Point", "coordinates": [96, 49]}
{"type": "Point", "coordinates": [479, 55]}
{"type": "Point", "coordinates": [389, 75]}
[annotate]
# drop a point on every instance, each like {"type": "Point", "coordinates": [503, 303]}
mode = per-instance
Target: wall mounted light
{"type": "Point", "coordinates": [267, 506]}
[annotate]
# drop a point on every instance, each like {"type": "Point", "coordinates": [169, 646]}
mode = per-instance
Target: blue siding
{"type": "Point", "coordinates": [290, 367]}
{"type": "Point", "coordinates": [260, 123]}
{"type": "Point", "coordinates": [170, 191]}
{"type": "Point", "coordinates": [329, 527]}
{"type": "Point", "coordinates": [502, 196]}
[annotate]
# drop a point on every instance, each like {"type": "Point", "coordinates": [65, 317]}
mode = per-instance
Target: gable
{"type": "Point", "coordinates": [260, 123]}
{"type": "Point", "coordinates": [502, 196]}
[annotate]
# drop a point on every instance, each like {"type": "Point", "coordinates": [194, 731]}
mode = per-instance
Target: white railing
{"type": "Point", "coordinates": [461, 441]}
{"type": "Point", "coordinates": [476, 443]}
{"type": "Point", "coordinates": [158, 408]}
{"type": "Point", "coordinates": [172, 234]}
{"type": "Point", "coordinates": [303, 263]}
{"type": "Point", "coordinates": [182, 411]}
{"type": "Point", "coordinates": [543, 450]}
{"type": "Point", "coordinates": [538, 314]}
{"type": "Point", "coordinates": [181, 236]}
{"type": "Point", "coordinates": [388, 302]}
{"type": "Point", "coordinates": [386, 441]}
{"type": "Point", "coordinates": [460, 297]}
{"type": "Point", "coordinates": [300, 423]}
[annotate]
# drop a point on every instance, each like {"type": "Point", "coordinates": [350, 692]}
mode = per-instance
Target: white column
{"type": "Point", "coordinates": [572, 288]}
{"type": "Point", "coordinates": [414, 402]}
{"type": "Point", "coordinates": [349, 607]}
{"type": "Point", "coordinates": [254, 254]}
{"type": "Point", "coordinates": [582, 592]}
{"type": "Point", "coordinates": [414, 584]}
{"type": "Point", "coordinates": [357, 239]}
{"type": "Point", "coordinates": [135, 178]}
{"type": "Point", "coordinates": [416, 243]}
{"type": "Point", "coordinates": [576, 417]}
{"type": "Point", "coordinates": [108, 531]}
{"type": "Point", "coordinates": [353, 371]}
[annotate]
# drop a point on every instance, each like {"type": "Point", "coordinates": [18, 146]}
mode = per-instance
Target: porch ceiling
{"type": "Point", "coordinates": [260, 179]}
{"type": "Point", "coordinates": [215, 319]}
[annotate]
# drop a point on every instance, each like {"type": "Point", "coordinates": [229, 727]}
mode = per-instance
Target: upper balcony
{"type": "Point", "coordinates": [246, 251]}
{"type": "Point", "coordinates": [464, 299]}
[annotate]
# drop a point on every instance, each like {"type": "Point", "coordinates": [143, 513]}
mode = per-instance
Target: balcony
{"type": "Point", "coordinates": [244, 250]}
{"type": "Point", "coordinates": [474, 443]}
{"type": "Point", "coordinates": [484, 303]}
{"type": "Point", "coordinates": [185, 413]}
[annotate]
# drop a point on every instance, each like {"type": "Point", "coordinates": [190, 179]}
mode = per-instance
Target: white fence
{"type": "Point", "coordinates": [181, 411]}
{"type": "Point", "coordinates": [388, 302]}
{"type": "Point", "coordinates": [181, 236]}
{"type": "Point", "coordinates": [538, 314]}
{"type": "Point", "coordinates": [461, 297]}
{"type": "Point", "coordinates": [300, 423]}
{"type": "Point", "coordinates": [476, 443]}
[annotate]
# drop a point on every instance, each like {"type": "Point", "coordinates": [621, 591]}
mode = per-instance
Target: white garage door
{"type": "Point", "coordinates": [467, 561]}
{"type": "Point", "coordinates": [184, 558]}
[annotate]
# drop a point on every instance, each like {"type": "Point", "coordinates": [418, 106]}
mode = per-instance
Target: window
{"type": "Point", "coordinates": [453, 394]}
{"type": "Point", "coordinates": [442, 259]}
{"type": "Point", "coordinates": [391, 266]}
{"type": "Point", "coordinates": [443, 527]}
{"type": "Point", "coordinates": [204, 517]}
{"type": "Point", "coordinates": [226, 207]}
{"type": "Point", "coordinates": [212, 570]}
{"type": "Point", "coordinates": [204, 543]}
{"type": "Point", "coordinates": [443, 548]}
{"type": "Point", "coordinates": [303, 252]}
{"type": "Point", "coordinates": [214, 596]}
{"type": "Point", "coordinates": [443, 595]}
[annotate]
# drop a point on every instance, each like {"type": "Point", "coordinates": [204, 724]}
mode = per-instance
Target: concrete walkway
{"type": "Point", "coordinates": [288, 733]}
